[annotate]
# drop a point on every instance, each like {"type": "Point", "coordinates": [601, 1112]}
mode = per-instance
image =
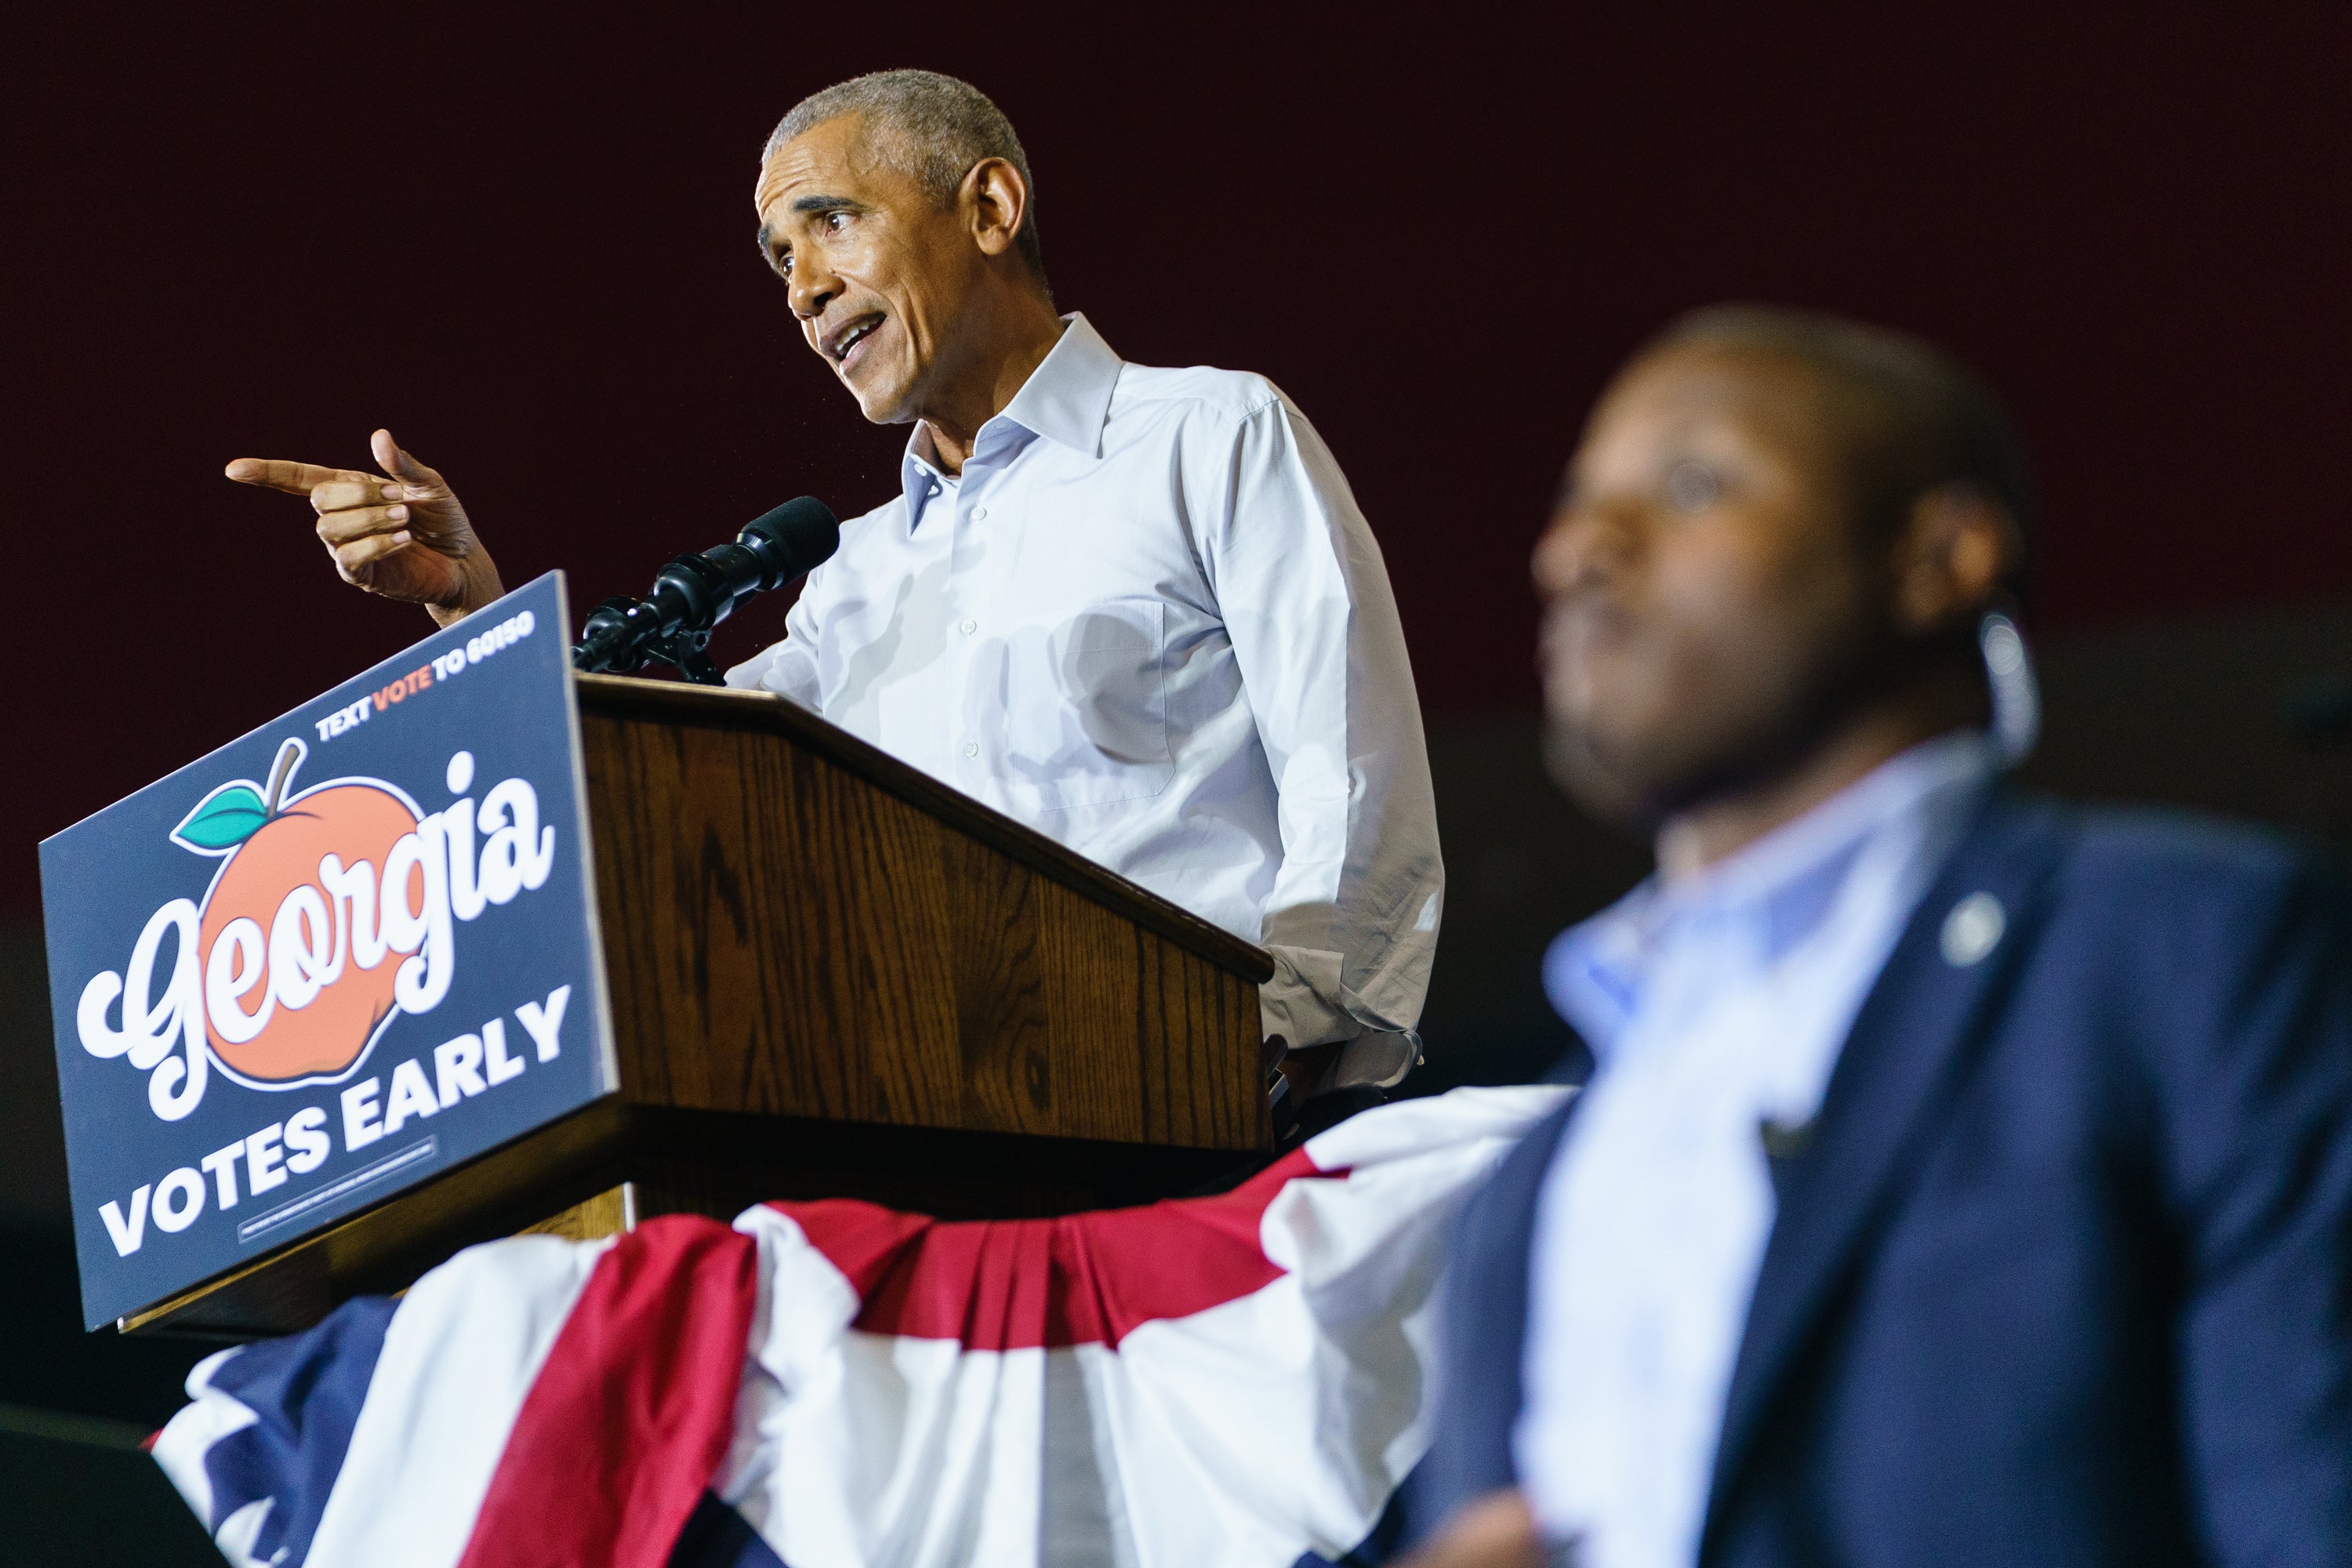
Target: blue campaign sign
{"type": "Point", "coordinates": [329, 961]}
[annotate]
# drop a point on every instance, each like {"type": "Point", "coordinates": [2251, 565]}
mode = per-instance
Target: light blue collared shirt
{"type": "Point", "coordinates": [1149, 620]}
{"type": "Point", "coordinates": [1712, 1004]}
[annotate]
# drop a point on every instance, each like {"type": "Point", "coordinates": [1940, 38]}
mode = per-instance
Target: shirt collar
{"type": "Point", "coordinates": [1762, 901]}
{"type": "Point", "coordinates": [1066, 399]}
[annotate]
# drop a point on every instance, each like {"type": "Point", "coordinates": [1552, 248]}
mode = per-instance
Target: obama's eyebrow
{"type": "Point", "coordinates": [801, 204]}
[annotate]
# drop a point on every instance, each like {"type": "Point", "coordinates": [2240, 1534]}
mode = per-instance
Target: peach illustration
{"type": "Point", "coordinates": [272, 854]}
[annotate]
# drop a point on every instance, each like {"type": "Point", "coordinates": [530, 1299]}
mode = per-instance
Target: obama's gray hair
{"type": "Point", "coordinates": [930, 127]}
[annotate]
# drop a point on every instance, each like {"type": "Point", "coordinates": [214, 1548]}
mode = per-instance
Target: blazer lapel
{"type": "Point", "coordinates": [1486, 1308]}
{"type": "Point", "coordinates": [1911, 1042]}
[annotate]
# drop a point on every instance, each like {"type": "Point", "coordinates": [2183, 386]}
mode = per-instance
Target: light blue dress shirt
{"type": "Point", "coordinates": [1713, 1003]}
{"type": "Point", "coordinates": [1149, 620]}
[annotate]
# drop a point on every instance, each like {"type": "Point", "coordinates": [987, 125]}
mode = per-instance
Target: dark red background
{"type": "Point", "coordinates": [525, 244]}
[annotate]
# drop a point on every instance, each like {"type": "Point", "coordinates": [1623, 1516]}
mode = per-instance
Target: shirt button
{"type": "Point", "coordinates": [971, 748]}
{"type": "Point", "coordinates": [968, 627]}
{"type": "Point", "coordinates": [980, 514]}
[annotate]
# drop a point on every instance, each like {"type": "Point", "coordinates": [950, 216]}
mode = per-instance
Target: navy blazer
{"type": "Point", "coordinates": [2062, 1269]}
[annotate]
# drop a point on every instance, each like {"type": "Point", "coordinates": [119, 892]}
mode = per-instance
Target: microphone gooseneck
{"type": "Point", "coordinates": [672, 623]}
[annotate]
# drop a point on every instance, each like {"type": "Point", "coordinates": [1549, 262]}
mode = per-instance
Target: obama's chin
{"type": "Point", "coordinates": [882, 391]}
{"type": "Point", "coordinates": [882, 405]}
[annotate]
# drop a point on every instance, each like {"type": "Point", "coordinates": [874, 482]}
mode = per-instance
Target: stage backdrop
{"type": "Point", "coordinates": [521, 237]}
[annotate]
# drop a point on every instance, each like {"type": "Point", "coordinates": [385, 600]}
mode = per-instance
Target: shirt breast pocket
{"type": "Point", "coordinates": [1086, 708]}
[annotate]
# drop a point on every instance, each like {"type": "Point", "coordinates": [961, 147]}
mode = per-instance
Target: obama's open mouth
{"type": "Point", "coordinates": [841, 346]}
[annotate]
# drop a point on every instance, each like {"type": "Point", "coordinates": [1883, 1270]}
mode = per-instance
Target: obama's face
{"type": "Point", "coordinates": [1707, 603]}
{"type": "Point", "coordinates": [878, 274]}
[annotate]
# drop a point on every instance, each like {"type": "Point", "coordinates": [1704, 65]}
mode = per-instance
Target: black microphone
{"type": "Point", "coordinates": [694, 593]}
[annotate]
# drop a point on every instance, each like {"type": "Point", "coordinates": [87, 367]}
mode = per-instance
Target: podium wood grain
{"type": "Point", "coordinates": [832, 975]}
{"type": "Point", "coordinates": [790, 935]}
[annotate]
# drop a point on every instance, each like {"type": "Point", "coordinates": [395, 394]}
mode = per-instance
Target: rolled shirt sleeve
{"type": "Point", "coordinates": [1353, 917]}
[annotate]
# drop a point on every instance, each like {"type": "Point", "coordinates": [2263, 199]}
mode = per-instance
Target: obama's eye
{"type": "Point", "coordinates": [1692, 486]}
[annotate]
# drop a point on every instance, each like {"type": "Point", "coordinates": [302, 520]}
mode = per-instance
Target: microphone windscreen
{"type": "Point", "coordinates": [801, 533]}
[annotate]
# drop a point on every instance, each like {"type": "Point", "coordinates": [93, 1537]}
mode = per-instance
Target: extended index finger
{"type": "Point", "coordinates": [294, 479]}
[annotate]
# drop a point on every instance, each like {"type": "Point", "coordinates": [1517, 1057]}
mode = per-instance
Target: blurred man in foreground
{"type": "Point", "coordinates": [1137, 609]}
{"type": "Point", "coordinates": [1964, 1179]}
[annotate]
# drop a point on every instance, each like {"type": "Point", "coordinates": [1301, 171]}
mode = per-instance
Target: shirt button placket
{"type": "Point", "coordinates": [969, 625]}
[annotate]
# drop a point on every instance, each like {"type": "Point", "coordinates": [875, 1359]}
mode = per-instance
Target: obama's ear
{"type": "Point", "coordinates": [996, 199]}
{"type": "Point", "coordinates": [1954, 552]}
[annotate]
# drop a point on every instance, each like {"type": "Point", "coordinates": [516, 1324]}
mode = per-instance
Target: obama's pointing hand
{"type": "Point", "coordinates": [400, 534]}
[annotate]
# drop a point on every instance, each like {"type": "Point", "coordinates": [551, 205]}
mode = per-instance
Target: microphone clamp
{"type": "Point", "coordinates": [673, 623]}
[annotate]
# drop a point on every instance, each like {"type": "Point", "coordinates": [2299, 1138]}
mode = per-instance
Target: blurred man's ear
{"type": "Point", "coordinates": [1954, 551]}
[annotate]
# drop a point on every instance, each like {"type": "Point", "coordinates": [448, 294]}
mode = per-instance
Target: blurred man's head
{"type": "Point", "coordinates": [1780, 532]}
{"type": "Point", "coordinates": [898, 208]}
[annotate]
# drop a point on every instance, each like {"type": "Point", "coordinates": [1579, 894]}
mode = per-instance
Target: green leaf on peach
{"type": "Point", "coordinates": [223, 819]}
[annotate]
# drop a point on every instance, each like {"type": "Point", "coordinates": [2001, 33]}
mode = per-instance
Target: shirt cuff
{"type": "Point", "coordinates": [1306, 1006]}
{"type": "Point", "coordinates": [1379, 1058]}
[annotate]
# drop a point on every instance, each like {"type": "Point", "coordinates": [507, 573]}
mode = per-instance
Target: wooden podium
{"type": "Point", "coordinates": [831, 976]}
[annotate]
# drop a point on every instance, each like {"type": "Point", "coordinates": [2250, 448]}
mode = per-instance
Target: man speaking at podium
{"type": "Point", "coordinates": [1136, 609]}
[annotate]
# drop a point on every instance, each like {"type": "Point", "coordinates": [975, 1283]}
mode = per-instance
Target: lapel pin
{"type": "Point", "coordinates": [1784, 1140]}
{"type": "Point", "coordinates": [1973, 930]}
